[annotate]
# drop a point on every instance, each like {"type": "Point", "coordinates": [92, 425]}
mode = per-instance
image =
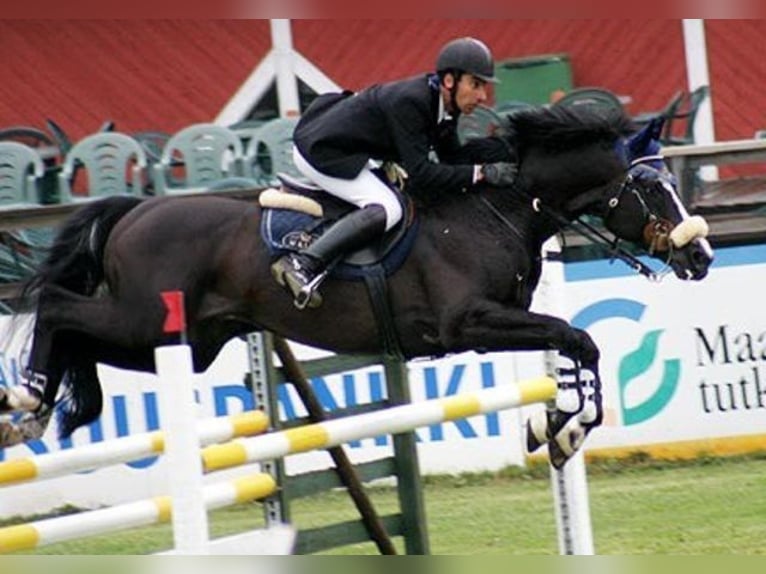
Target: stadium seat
{"type": "Point", "coordinates": [21, 170]}
{"type": "Point", "coordinates": [113, 163]}
{"type": "Point", "coordinates": [270, 151]}
{"type": "Point", "coordinates": [197, 158]}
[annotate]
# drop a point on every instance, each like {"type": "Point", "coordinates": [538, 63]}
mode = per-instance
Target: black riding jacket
{"type": "Point", "coordinates": [396, 121]}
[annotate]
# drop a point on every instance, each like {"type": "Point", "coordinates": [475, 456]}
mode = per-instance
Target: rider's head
{"type": "Point", "coordinates": [465, 65]}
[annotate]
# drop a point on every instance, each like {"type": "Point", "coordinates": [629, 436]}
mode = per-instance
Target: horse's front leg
{"type": "Point", "coordinates": [490, 326]}
{"type": "Point", "coordinates": [486, 325]}
{"type": "Point", "coordinates": [567, 420]}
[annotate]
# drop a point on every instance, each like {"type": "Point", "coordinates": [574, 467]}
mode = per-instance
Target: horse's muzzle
{"type": "Point", "coordinates": [692, 261]}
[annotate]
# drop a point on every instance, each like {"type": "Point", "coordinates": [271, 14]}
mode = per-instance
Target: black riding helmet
{"type": "Point", "coordinates": [467, 55]}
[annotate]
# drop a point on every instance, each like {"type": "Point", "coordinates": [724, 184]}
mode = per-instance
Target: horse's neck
{"type": "Point", "coordinates": [593, 201]}
{"type": "Point", "coordinates": [496, 214]}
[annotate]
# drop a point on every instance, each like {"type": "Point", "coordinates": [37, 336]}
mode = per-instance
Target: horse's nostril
{"type": "Point", "coordinates": [700, 257]}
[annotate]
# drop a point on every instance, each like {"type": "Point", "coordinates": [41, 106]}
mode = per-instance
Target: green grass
{"type": "Point", "coordinates": [707, 506]}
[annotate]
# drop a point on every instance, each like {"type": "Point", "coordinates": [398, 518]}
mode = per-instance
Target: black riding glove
{"type": "Point", "coordinates": [500, 174]}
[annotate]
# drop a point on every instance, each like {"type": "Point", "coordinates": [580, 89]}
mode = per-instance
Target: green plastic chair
{"type": "Point", "coordinates": [197, 158]}
{"type": "Point", "coordinates": [21, 174]}
{"type": "Point", "coordinates": [482, 122]}
{"type": "Point", "coordinates": [600, 100]}
{"type": "Point", "coordinates": [685, 113]}
{"type": "Point", "coordinates": [245, 129]}
{"type": "Point", "coordinates": [270, 151]}
{"type": "Point", "coordinates": [112, 162]}
{"type": "Point", "coordinates": [21, 171]}
{"type": "Point", "coordinates": [670, 108]}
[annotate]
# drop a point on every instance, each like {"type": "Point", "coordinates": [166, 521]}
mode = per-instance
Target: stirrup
{"type": "Point", "coordinates": [308, 295]}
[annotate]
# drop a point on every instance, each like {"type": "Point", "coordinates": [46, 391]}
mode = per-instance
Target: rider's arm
{"type": "Point", "coordinates": [411, 132]}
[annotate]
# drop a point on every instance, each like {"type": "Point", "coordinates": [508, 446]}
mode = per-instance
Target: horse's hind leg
{"type": "Point", "coordinates": [65, 320]}
{"type": "Point", "coordinates": [30, 426]}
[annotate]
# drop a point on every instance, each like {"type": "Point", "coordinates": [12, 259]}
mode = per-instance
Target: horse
{"type": "Point", "coordinates": [466, 282]}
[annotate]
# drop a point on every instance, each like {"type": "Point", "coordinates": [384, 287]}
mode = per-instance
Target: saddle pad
{"type": "Point", "coordinates": [285, 230]}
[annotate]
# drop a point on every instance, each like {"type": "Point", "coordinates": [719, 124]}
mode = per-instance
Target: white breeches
{"type": "Point", "coordinates": [365, 189]}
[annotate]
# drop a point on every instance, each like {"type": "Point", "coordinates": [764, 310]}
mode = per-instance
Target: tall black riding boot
{"type": "Point", "coordinates": [303, 272]}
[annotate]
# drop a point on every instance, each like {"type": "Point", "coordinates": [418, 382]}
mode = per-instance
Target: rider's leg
{"type": "Point", "coordinates": [380, 210]}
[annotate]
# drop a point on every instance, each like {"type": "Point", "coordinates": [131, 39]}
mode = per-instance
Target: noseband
{"type": "Point", "coordinates": [657, 229]}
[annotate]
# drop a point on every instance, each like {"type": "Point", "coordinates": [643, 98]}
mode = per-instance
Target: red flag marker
{"type": "Point", "coordinates": [175, 321]}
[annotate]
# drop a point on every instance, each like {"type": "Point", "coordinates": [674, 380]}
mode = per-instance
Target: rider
{"type": "Point", "coordinates": [407, 121]}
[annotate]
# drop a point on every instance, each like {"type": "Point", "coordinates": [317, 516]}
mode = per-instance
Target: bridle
{"type": "Point", "coordinates": [657, 229]}
{"type": "Point", "coordinates": [656, 232]}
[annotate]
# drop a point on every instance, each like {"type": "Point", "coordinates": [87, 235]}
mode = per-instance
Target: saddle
{"type": "Point", "coordinates": [299, 211]}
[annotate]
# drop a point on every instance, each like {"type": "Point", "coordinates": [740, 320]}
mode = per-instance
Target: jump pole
{"type": "Point", "coordinates": [131, 515]}
{"type": "Point", "coordinates": [125, 449]}
{"type": "Point", "coordinates": [389, 421]}
{"type": "Point", "coordinates": [569, 484]}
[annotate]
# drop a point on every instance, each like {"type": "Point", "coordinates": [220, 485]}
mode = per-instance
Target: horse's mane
{"type": "Point", "coordinates": [557, 127]}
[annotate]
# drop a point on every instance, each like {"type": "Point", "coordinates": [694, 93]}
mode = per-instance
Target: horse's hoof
{"type": "Point", "coordinates": [30, 426]}
{"type": "Point", "coordinates": [566, 442]}
{"type": "Point", "coordinates": [537, 430]}
{"type": "Point", "coordinates": [20, 398]}
{"type": "Point", "coordinates": [10, 434]}
{"type": "Point", "coordinates": [557, 456]}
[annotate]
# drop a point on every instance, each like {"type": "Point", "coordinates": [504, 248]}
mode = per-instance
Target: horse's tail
{"type": "Point", "coordinates": [75, 262]}
{"type": "Point", "coordinates": [75, 259]}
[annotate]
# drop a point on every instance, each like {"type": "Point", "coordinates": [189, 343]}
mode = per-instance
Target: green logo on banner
{"type": "Point", "coordinates": [636, 363]}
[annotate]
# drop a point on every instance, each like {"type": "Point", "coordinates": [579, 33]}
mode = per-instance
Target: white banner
{"type": "Point", "coordinates": [682, 362]}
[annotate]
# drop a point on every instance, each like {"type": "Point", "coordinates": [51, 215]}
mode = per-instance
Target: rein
{"type": "Point", "coordinates": [584, 229]}
{"type": "Point", "coordinates": [594, 235]}
{"type": "Point", "coordinates": [503, 219]}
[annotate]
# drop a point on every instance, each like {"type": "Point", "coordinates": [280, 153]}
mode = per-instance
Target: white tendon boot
{"type": "Point", "coordinates": [566, 422]}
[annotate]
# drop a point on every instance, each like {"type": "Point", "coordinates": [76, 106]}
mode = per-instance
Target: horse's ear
{"type": "Point", "coordinates": [646, 141]}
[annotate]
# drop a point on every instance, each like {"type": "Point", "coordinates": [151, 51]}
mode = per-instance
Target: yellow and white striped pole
{"type": "Point", "coordinates": [389, 421]}
{"type": "Point", "coordinates": [125, 449]}
{"type": "Point", "coordinates": [125, 516]}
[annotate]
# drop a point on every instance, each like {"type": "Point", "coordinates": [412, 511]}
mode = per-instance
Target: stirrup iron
{"type": "Point", "coordinates": [303, 297]}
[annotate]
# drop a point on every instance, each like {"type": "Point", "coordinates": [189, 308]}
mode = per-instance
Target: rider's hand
{"type": "Point", "coordinates": [500, 174]}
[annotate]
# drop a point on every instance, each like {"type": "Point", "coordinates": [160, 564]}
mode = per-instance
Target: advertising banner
{"type": "Point", "coordinates": [682, 368]}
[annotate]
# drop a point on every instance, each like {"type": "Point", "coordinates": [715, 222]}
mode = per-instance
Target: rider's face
{"type": "Point", "coordinates": [470, 92]}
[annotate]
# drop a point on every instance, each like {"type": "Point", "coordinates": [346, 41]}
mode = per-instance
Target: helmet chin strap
{"type": "Point", "coordinates": [453, 101]}
{"type": "Point", "coordinates": [455, 110]}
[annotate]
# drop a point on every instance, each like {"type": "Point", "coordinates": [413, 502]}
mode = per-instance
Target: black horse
{"type": "Point", "coordinates": [466, 284]}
